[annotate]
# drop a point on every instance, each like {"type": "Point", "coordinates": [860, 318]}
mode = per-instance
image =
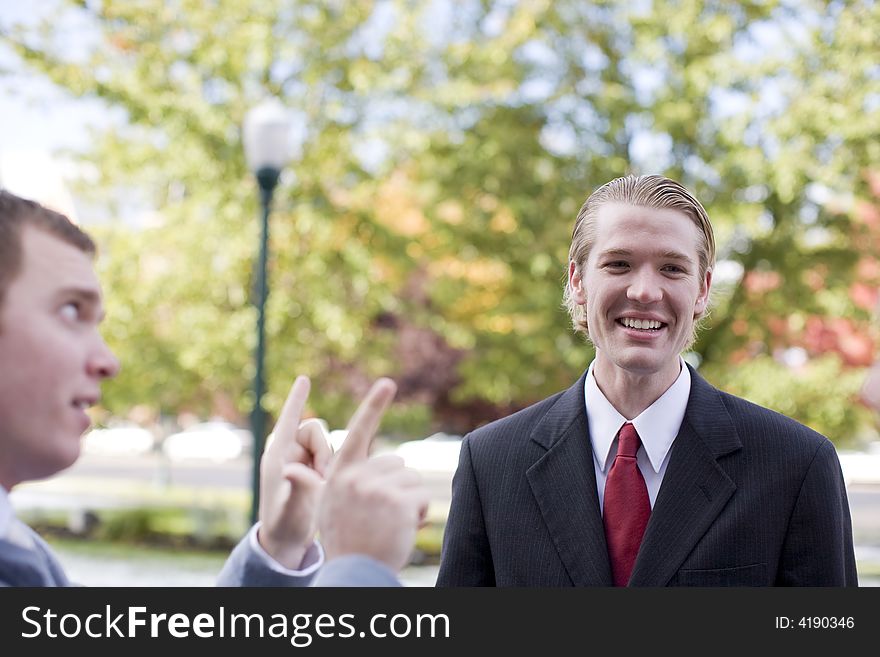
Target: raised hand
{"type": "Point", "coordinates": [291, 478]}
{"type": "Point", "coordinates": [370, 506]}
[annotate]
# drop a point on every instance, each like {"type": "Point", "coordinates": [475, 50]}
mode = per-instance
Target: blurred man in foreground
{"type": "Point", "coordinates": [54, 360]}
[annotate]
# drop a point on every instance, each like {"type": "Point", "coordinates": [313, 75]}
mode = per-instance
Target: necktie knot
{"type": "Point", "coordinates": [628, 441]}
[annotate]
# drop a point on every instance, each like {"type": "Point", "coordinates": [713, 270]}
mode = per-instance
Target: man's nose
{"type": "Point", "coordinates": [645, 287]}
{"type": "Point", "coordinates": [103, 363]}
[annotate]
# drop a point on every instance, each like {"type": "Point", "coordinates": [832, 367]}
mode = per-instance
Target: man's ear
{"type": "Point", "coordinates": [702, 302]}
{"type": "Point", "coordinates": [576, 289]}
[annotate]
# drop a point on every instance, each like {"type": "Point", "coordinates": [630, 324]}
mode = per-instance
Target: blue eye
{"type": "Point", "coordinates": [70, 310]}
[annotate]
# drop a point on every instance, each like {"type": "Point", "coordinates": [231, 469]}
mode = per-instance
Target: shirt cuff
{"type": "Point", "coordinates": [312, 560]}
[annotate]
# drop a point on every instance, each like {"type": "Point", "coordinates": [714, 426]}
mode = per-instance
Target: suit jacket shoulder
{"type": "Point", "coordinates": [756, 435]}
{"type": "Point", "coordinates": [516, 423]}
{"type": "Point", "coordinates": [758, 420]}
{"type": "Point", "coordinates": [525, 435]}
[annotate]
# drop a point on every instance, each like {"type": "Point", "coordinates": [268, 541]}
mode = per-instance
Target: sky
{"type": "Point", "coordinates": [34, 114]}
{"type": "Point", "coordinates": [39, 122]}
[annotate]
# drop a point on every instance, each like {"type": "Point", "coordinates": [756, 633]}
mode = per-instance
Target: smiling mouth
{"type": "Point", "coordinates": [647, 325]}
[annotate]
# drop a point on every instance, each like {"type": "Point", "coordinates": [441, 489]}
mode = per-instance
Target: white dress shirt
{"type": "Point", "coordinates": [657, 427]}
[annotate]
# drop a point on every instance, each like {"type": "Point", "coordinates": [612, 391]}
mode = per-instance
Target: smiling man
{"type": "Point", "coordinates": [642, 473]}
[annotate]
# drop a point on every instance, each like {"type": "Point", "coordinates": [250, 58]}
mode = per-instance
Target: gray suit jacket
{"type": "Point", "coordinates": [246, 568]}
{"type": "Point", "coordinates": [20, 566]}
{"type": "Point", "coordinates": [38, 566]}
{"type": "Point", "coordinates": [750, 498]}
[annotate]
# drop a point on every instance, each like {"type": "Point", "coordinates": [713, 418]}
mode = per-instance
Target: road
{"type": "Point", "coordinates": [864, 504]}
{"type": "Point", "coordinates": [229, 475]}
{"type": "Point", "coordinates": [233, 474]}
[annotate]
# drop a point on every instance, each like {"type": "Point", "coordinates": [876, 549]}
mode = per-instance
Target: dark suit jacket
{"type": "Point", "coordinates": [750, 498]}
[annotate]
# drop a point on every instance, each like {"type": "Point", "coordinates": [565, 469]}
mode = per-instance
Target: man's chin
{"type": "Point", "coordinates": [644, 362]}
{"type": "Point", "coordinates": [67, 454]}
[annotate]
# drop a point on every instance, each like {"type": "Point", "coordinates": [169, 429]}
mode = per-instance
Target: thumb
{"type": "Point", "coordinates": [302, 477]}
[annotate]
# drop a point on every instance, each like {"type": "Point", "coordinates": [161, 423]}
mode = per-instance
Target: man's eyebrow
{"type": "Point", "coordinates": [667, 255]}
{"type": "Point", "coordinates": [676, 255]}
{"type": "Point", "coordinates": [84, 293]}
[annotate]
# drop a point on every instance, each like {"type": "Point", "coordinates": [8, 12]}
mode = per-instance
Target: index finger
{"type": "Point", "coordinates": [364, 423]}
{"type": "Point", "coordinates": [288, 421]}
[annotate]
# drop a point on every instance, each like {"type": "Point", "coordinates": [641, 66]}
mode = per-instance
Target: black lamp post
{"type": "Point", "coordinates": [266, 147]}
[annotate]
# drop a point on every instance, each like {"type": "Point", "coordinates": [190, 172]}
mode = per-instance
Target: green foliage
{"type": "Point", "coordinates": [189, 526]}
{"type": "Point", "coordinates": [821, 394]}
{"type": "Point", "coordinates": [422, 230]}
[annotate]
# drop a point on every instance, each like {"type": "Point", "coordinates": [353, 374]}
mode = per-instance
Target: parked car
{"type": "Point", "coordinates": [436, 453]}
{"type": "Point", "coordinates": [861, 467]}
{"type": "Point", "coordinates": [119, 440]}
{"type": "Point", "coordinates": [215, 441]}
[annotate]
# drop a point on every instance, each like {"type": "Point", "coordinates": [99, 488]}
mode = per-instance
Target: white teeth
{"type": "Point", "coordinates": [640, 323]}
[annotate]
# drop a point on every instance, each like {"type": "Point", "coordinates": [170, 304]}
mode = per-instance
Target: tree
{"type": "Point", "coordinates": [423, 228]}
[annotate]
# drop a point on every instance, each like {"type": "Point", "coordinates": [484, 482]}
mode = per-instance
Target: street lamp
{"type": "Point", "coordinates": [266, 150]}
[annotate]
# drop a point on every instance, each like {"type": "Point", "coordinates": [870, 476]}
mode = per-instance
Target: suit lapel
{"type": "Point", "coordinates": [695, 488]}
{"type": "Point", "coordinates": [563, 482]}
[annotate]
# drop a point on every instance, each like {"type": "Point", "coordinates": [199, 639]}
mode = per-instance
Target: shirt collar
{"type": "Point", "coordinates": [657, 425]}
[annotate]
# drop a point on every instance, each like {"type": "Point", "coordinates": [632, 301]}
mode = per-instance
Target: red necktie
{"type": "Point", "coordinates": [627, 507]}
